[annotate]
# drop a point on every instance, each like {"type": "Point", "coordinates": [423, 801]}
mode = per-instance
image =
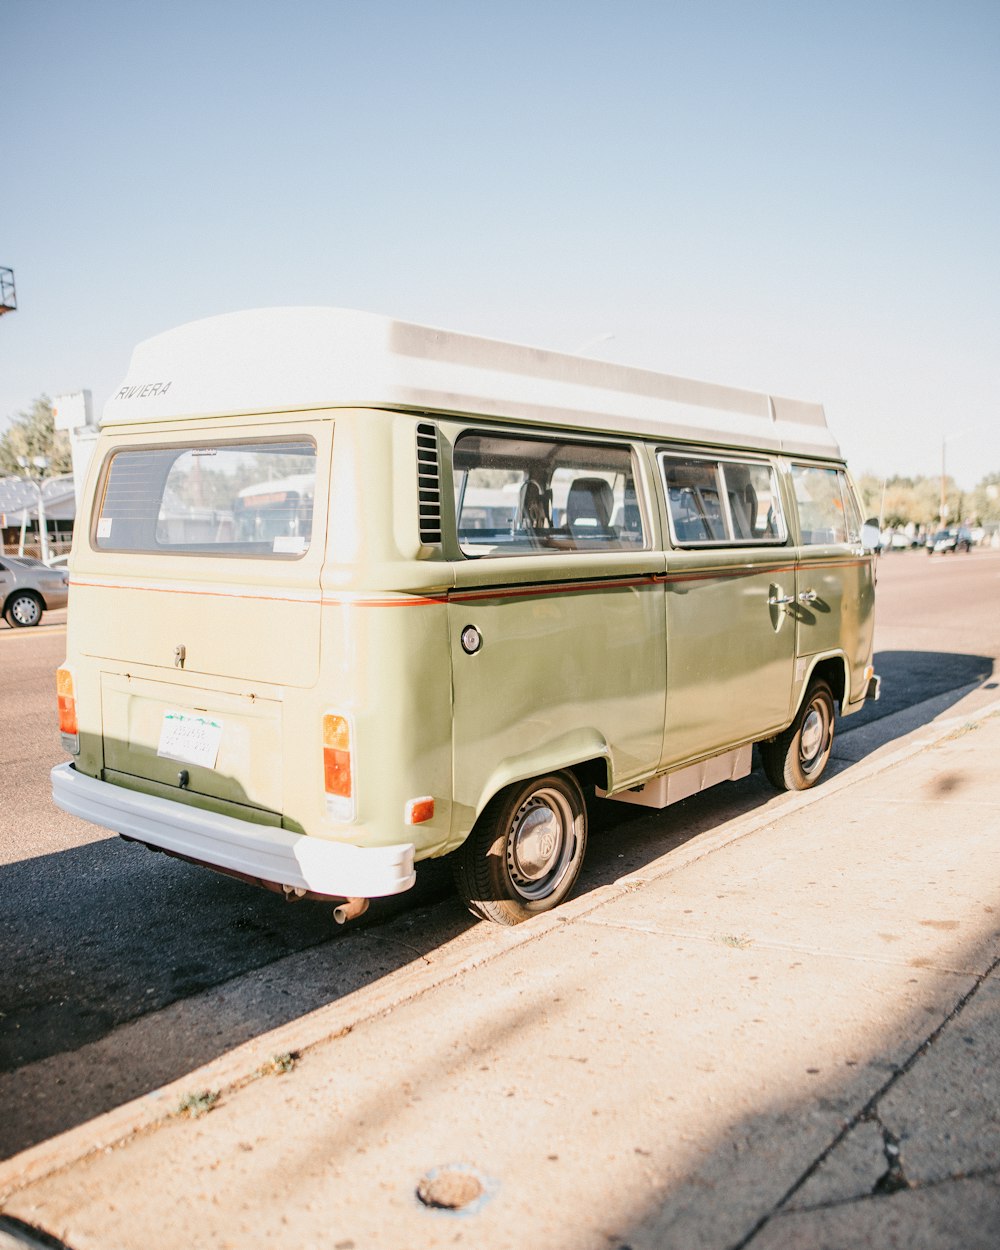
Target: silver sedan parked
{"type": "Point", "coordinates": [28, 588]}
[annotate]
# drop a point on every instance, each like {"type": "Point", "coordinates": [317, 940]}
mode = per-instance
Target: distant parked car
{"type": "Point", "coordinates": [28, 588]}
{"type": "Point", "coordinates": [957, 538]}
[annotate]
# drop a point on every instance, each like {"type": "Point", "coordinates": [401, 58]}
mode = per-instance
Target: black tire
{"type": "Point", "coordinates": [24, 609]}
{"type": "Point", "coordinates": [796, 759]}
{"type": "Point", "coordinates": [524, 854]}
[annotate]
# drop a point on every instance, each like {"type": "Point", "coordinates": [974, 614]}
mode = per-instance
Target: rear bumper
{"type": "Point", "coordinates": [276, 855]}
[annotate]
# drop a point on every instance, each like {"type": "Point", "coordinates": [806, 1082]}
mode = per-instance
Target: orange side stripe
{"type": "Point", "coordinates": [526, 591]}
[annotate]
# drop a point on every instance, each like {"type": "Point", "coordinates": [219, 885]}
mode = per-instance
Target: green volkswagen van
{"type": "Point", "coordinates": [350, 593]}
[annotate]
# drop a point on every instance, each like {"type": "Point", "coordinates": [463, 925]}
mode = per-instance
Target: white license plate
{"type": "Point", "coordinates": [191, 738]}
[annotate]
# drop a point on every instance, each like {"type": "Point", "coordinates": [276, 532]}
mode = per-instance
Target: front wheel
{"type": "Point", "coordinates": [525, 851]}
{"type": "Point", "coordinates": [23, 609]}
{"type": "Point", "coordinates": [795, 759]}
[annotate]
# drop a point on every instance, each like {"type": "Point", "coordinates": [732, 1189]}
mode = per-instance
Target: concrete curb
{"type": "Point", "coordinates": [252, 1060]}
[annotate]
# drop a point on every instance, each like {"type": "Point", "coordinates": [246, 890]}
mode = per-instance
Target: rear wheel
{"type": "Point", "coordinates": [23, 609]}
{"type": "Point", "coordinates": [795, 759]}
{"type": "Point", "coordinates": [525, 851]}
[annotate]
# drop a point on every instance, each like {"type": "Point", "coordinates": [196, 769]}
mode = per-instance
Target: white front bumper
{"type": "Point", "coordinates": [292, 859]}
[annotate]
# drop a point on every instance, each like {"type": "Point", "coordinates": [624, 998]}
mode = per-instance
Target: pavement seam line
{"type": "Point", "coordinates": [870, 1110]}
{"type": "Point", "coordinates": [794, 948]}
{"type": "Point", "coordinates": [150, 1111]}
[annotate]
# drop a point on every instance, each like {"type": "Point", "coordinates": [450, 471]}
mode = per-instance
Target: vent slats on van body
{"type": "Point", "coordinates": [428, 484]}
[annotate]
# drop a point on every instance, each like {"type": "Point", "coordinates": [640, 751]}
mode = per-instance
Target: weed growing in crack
{"type": "Point", "coordinates": [278, 1064]}
{"type": "Point", "coordinates": [196, 1104]}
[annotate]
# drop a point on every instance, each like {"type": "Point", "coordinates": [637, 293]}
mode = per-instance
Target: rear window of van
{"type": "Point", "coordinates": [223, 499]}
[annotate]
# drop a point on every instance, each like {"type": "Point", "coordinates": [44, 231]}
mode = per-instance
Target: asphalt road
{"type": "Point", "coordinates": [102, 942]}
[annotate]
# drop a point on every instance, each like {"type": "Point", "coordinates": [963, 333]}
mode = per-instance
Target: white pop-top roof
{"type": "Point", "coordinates": [292, 359]}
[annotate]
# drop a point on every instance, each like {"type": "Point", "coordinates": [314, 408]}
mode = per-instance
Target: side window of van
{"type": "Point", "coordinates": [722, 501]}
{"type": "Point", "coordinates": [243, 499]}
{"type": "Point", "coordinates": [828, 512]}
{"type": "Point", "coordinates": [515, 495]}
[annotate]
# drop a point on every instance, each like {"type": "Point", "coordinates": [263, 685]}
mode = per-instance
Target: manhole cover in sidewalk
{"type": "Point", "coordinates": [457, 1187]}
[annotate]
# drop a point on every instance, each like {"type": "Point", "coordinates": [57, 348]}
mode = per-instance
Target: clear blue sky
{"type": "Point", "coordinates": [797, 197]}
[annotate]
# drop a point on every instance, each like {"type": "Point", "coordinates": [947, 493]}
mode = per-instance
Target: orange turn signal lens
{"type": "Point", "coordinates": [66, 698]}
{"type": "Point", "coordinates": [418, 811]}
{"type": "Point", "coordinates": [336, 763]}
{"type": "Point", "coordinates": [336, 732]}
{"type": "Point", "coordinates": [66, 702]}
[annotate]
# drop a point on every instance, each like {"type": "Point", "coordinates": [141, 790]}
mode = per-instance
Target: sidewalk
{"type": "Point", "coordinates": [790, 1039]}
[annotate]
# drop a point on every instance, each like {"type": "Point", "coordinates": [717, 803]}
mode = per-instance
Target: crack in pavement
{"type": "Point", "coordinates": [894, 1179]}
{"type": "Point", "coordinates": [975, 1174]}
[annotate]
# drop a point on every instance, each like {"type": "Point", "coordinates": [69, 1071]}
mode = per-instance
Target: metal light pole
{"type": "Point", "coordinates": [950, 438]}
{"type": "Point", "coordinates": [40, 463]}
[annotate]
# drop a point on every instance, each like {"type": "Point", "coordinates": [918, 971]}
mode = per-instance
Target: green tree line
{"type": "Point", "coordinates": [31, 435]}
{"type": "Point", "coordinates": [917, 500]}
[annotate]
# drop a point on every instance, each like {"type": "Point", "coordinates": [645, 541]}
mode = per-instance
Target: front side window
{"type": "Point", "coordinates": [516, 495]}
{"type": "Point", "coordinates": [827, 510]}
{"type": "Point", "coordinates": [229, 499]}
{"type": "Point", "coordinates": [721, 501]}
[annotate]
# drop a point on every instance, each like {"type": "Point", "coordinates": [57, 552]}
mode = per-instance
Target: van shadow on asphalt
{"type": "Point", "coordinates": [138, 932]}
{"type": "Point", "coordinates": [158, 966]}
{"type": "Point", "coordinates": [910, 678]}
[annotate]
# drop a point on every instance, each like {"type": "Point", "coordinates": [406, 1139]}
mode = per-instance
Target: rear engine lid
{"type": "Point", "coordinates": [265, 637]}
{"type": "Point", "coordinates": [205, 741]}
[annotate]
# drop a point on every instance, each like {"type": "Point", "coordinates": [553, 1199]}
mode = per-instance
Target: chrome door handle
{"type": "Point", "coordinates": [808, 596]}
{"type": "Point", "coordinates": [779, 601]}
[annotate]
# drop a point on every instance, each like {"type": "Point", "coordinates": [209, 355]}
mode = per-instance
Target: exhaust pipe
{"type": "Point", "coordinates": [350, 909]}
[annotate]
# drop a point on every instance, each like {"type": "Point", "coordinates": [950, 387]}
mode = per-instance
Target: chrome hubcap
{"type": "Point", "coordinates": [25, 611]}
{"type": "Point", "coordinates": [812, 735]}
{"type": "Point", "coordinates": [814, 738]}
{"type": "Point", "coordinates": [540, 844]}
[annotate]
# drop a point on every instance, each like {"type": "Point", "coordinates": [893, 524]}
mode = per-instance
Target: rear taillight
{"type": "Point", "coordinates": [66, 697]}
{"type": "Point", "coordinates": [338, 773]}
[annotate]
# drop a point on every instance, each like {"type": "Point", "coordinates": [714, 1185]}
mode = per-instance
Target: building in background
{"type": "Point", "coordinates": [37, 513]}
{"type": "Point", "coordinates": [19, 515]}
